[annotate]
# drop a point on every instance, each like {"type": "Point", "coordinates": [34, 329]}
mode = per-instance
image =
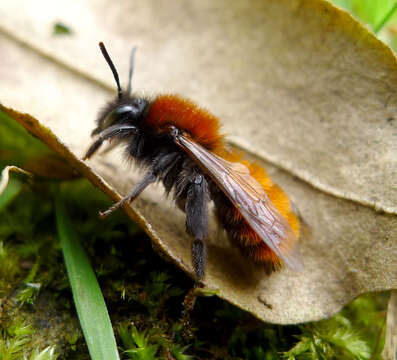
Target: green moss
{"type": "Point", "coordinates": [357, 332]}
{"type": "Point", "coordinates": [9, 268]}
{"type": "Point", "coordinates": [16, 343]}
{"type": "Point", "coordinates": [139, 345]}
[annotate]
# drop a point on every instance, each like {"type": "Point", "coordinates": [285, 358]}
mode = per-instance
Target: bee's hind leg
{"type": "Point", "coordinates": [196, 209]}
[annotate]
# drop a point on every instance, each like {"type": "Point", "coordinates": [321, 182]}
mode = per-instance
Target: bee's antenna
{"type": "Point", "coordinates": [132, 56]}
{"type": "Point", "coordinates": [112, 67]}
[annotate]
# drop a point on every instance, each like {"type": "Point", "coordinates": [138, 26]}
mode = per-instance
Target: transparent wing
{"type": "Point", "coordinates": [250, 198]}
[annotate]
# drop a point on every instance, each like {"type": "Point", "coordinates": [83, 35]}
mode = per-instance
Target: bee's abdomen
{"type": "Point", "coordinates": [240, 233]}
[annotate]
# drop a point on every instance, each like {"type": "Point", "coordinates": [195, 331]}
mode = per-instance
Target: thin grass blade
{"type": "Point", "coordinates": [9, 188]}
{"type": "Point", "coordinates": [386, 18]}
{"type": "Point", "coordinates": [90, 305]}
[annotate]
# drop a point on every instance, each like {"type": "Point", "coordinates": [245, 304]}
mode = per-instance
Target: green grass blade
{"type": "Point", "coordinates": [9, 188]}
{"type": "Point", "coordinates": [386, 18]}
{"type": "Point", "coordinates": [13, 188]}
{"type": "Point", "coordinates": [90, 305]}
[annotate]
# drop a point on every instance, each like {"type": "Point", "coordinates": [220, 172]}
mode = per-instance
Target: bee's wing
{"type": "Point", "coordinates": [250, 198]}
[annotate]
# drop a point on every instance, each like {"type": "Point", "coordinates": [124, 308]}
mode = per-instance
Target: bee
{"type": "Point", "coordinates": [179, 144]}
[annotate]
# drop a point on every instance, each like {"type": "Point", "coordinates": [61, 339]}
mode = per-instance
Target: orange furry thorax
{"type": "Point", "coordinates": [201, 125]}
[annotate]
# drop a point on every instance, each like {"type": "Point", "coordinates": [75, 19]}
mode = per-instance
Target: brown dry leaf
{"type": "Point", "coordinates": [297, 83]}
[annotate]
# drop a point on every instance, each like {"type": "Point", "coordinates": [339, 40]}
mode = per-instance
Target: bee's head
{"type": "Point", "coordinates": [121, 116]}
{"type": "Point", "coordinates": [125, 111]}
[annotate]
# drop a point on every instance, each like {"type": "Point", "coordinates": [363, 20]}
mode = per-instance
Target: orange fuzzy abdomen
{"type": "Point", "coordinates": [240, 232]}
{"type": "Point", "coordinates": [202, 126]}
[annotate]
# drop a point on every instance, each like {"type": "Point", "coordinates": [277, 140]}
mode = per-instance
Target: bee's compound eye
{"type": "Point", "coordinates": [123, 110]}
{"type": "Point", "coordinates": [118, 114]}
